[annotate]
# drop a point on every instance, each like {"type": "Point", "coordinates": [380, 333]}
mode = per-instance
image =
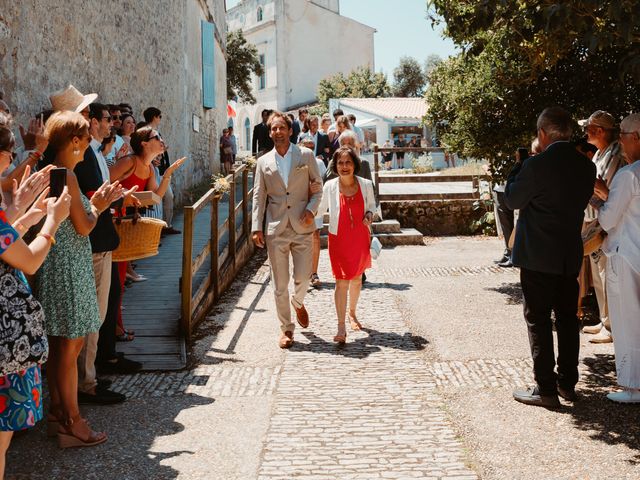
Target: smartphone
{"type": "Point", "coordinates": [57, 181]}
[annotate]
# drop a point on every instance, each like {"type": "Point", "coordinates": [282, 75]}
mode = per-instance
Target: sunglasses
{"type": "Point", "coordinates": [116, 117]}
{"type": "Point", "coordinates": [154, 137]}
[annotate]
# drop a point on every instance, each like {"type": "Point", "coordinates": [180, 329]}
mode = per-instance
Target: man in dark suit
{"type": "Point", "coordinates": [261, 141]}
{"type": "Point", "coordinates": [551, 190]}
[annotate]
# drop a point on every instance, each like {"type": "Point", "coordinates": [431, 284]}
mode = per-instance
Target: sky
{"type": "Point", "coordinates": [402, 29]}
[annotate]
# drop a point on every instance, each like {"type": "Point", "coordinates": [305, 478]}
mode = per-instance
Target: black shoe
{"type": "Point", "coordinates": [505, 256]}
{"type": "Point", "coordinates": [104, 382]}
{"type": "Point", "coordinates": [364, 277]}
{"type": "Point", "coordinates": [568, 394]}
{"type": "Point", "coordinates": [101, 397]}
{"type": "Point", "coordinates": [120, 364]}
{"type": "Point", "coordinates": [506, 264]}
{"type": "Point", "coordinates": [532, 397]}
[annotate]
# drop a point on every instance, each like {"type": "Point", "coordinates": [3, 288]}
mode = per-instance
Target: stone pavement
{"type": "Point", "coordinates": [422, 392]}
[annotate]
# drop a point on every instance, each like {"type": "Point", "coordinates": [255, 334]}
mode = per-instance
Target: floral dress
{"type": "Point", "coordinates": [21, 392]}
{"type": "Point", "coordinates": [66, 286]}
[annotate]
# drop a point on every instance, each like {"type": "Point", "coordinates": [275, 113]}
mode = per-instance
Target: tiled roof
{"type": "Point", "coordinates": [394, 107]}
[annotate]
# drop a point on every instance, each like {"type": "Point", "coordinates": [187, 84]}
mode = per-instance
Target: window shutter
{"type": "Point", "coordinates": [208, 66]}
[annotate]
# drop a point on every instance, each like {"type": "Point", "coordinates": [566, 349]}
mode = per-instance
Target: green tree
{"type": "Point", "coordinates": [242, 62]}
{"type": "Point", "coordinates": [485, 101]}
{"type": "Point", "coordinates": [360, 83]}
{"type": "Point", "coordinates": [409, 79]}
{"type": "Point", "coordinates": [431, 63]}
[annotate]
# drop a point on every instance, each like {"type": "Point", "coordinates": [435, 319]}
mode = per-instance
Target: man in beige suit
{"type": "Point", "coordinates": [285, 208]}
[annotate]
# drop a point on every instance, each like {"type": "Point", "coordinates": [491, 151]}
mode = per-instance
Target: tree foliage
{"type": "Point", "coordinates": [522, 56]}
{"type": "Point", "coordinates": [359, 83]}
{"type": "Point", "coordinates": [409, 79]}
{"type": "Point", "coordinates": [242, 62]}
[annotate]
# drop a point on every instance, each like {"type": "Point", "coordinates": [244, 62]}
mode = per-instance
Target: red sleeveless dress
{"type": "Point", "coordinates": [349, 249]}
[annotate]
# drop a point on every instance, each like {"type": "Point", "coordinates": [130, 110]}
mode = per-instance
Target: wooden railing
{"type": "Point", "coordinates": [197, 300]}
{"type": "Point", "coordinates": [473, 194]}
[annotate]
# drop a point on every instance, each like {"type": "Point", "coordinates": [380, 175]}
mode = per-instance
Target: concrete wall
{"type": "Point", "coordinates": [434, 217]}
{"type": "Point", "coordinates": [143, 53]}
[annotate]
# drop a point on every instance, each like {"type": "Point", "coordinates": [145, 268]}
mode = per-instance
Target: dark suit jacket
{"type": "Point", "coordinates": [295, 127]}
{"type": "Point", "coordinates": [323, 142]}
{"type": "Point", "coordinates": [104, 237]}
{"type": "Point", "coordinates": [551, 190]}
{"type": "Point", "coordinates": [261, 140]}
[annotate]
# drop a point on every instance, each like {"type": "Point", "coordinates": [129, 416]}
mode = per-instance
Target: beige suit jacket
{"type": "Point", "coordinates": [274, 204]}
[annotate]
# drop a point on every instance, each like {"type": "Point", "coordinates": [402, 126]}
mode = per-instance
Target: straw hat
{"type": "Point", "coordinates": [71, 99]}
{"type": "Point", "coordinates": [601, 119]}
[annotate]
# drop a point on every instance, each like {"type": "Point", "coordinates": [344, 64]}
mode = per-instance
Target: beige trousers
{"type": "Point", "coordinates": [86, 361]}
{"type": "Point", "coordinates": [598, 274]}
{"type": "Point", "coordinates": [280, 247]}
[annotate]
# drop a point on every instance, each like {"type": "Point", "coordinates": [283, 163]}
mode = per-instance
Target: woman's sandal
{"type": "Point", "coordinates": [127, 336]}
{"type": "Point", "coordinates": [355, 324]}
{"type": "Point", "coordinates": [68, 439]}
{"type": "Point", "coordinates": [341, 338]}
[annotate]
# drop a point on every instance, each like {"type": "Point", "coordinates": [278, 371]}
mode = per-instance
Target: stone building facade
{"type": "Point", "coordinates": [146, 53]}
{"type": "Point", "coordinates": [299, 42]}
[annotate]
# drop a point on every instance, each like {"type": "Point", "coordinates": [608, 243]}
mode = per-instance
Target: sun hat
{"type": "Point", "coordinates": [601, 119]}
{"type": "Point", "coordinates": [71, 99]}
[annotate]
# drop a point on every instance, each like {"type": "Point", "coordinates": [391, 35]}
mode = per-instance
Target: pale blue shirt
{"type": "Point", "coordinates": [620, 216]}
{"type": "Point", "coordinates": [102, 162]}
{"type": "Point", "coordinates": [284, 165]}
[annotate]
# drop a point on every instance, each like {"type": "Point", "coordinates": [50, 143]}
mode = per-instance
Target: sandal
{"type": "Point", "coordinates": [341, 337]}
{"type": "Point", "coordinates": [315, 280]}
{"type": "Point", "coordinates": [125, 337]}
{"type": "Point", "coordinates": [67, 438]}
{"type": "Point", "coordinates": [355, 324]}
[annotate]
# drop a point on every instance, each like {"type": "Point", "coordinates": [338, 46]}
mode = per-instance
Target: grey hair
{"type": "Point", "coordinates": [348, 134]}
{"type": "Point", "coordinates": [556, 123]}
{"type": "Point", "coordinates": [631, 123]}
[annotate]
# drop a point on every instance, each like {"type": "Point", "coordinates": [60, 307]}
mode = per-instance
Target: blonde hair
{"type": "Point", "coordinates": [63, 126]}
{"type": "Point", "coordinates": [344, 120]}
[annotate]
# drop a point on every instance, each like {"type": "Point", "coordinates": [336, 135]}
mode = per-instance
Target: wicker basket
{"type": "Point", "coordinates": [139, 238]}
{"type": "Point", "coordinates": [593, 236]}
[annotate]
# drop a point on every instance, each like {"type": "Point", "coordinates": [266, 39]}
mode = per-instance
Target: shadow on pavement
{"type": "Point", "coordinates": [134, 428]}
{"type": "Point", "coordinates": [362, 347]}
{"type": "Point", "coordinates": [512, 291]}
{"type": "Point", "coordinates": [606, 421]}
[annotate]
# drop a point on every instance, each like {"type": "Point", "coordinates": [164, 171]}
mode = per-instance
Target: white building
{"type": "Point", "coordinates": [385, 118]}
{"type": "Point", "coordinates": [299, 42]}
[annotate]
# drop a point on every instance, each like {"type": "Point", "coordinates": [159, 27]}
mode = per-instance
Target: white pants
{"type": "Point", "coordinates": [599, 275]}
{"type": "Point", "coordinates": [623, 293]}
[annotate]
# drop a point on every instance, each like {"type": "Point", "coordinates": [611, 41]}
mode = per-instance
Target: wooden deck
{"type": "Point", "coordinates": [152, 308]}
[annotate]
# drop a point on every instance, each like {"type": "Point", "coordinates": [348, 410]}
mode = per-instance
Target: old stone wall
{"type": "Point", "coordinates": [434, 217]}
{"type": "Point", "coordinates": [146, 53]}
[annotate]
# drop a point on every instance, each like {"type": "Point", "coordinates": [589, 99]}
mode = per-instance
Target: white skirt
{"type": "Point", "coordinates": [623, 298]}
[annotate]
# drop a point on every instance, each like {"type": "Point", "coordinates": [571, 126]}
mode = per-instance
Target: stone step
{"type": "Point", "coordinates": [385, 226]}
{"type": "Point", "coordinates": [407, 236]}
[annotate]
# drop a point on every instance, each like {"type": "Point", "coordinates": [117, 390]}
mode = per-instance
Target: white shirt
{"type": "Point", "coordinates": [359, 133]}
{"type": "Point", "coordinates": [284, 165]}
{"type": "Point", "coordinates": [117, 145]}
{"type": "Point", "coordinates": [315, 142]}
{"type": "Point", "coordinates": [620, 216]}
{"type": "Point", "coordinates": [102, 162]}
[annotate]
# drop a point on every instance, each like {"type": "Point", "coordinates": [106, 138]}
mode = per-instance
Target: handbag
{"type": "Point", "coordinates": [375, 248]}
{"type": "Point", "coordinates": [228, 150]}
{"type": "Point", "coordinates": [23, 341]}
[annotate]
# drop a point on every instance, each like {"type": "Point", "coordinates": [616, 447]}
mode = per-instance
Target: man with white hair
{"type": "Point", "coordinates": [551, 190]}
{"type": "Point", "coordinates": [620, 217]}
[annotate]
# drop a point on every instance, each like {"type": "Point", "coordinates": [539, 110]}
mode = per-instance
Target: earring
{"type": "Point", "coordinates": [76, 151]}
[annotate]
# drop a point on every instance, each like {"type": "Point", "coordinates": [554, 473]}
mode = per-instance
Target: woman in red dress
{"type": "Point", "coordinates": [351, 202]}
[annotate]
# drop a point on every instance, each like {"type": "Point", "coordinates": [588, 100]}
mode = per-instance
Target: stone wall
{"type": "Point", "coordinates": [434, 217]}
{"type": "Point", "coordinates": [146, 53]}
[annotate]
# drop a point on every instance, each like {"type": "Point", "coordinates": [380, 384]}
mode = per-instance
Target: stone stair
{"type": "Point", "coordinates": [389, 232]}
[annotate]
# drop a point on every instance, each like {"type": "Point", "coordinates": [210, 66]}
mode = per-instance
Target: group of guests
{"type": "Point", "coordinates": [64, 177]}
{"type": "Point", "coordinates": [560, 191]}
{"type": "Point", "coordinates": [294, 187]}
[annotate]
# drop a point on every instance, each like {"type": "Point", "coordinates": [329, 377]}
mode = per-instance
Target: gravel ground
{"type": "Point", "coordinates": [475, 330]}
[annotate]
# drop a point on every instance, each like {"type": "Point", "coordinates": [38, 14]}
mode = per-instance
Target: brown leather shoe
{"type": "Point", "coordinates": [286, 340]}
{"type": "Point", "coordinates": [302, 315]}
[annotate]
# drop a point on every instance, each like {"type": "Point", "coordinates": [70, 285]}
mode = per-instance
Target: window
{"type": "Point", "coordinates": [208, 66]}
{"type": "Point", "coordinates": [247, 133]}
{"type": "Point", "coordinates": [259, 15]}
{"type": "Point", "coordinates": [262, 81]}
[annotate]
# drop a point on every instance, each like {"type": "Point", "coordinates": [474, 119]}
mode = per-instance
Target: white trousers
{"type": "Point", "coordinates": [599, 275]}
{"type": "Point", "coordinates": [623, 293]}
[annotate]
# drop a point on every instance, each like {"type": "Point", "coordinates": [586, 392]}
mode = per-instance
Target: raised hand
{"type": "Point", "coordinates": [36, 211]}
{"type": "Point", "coordinates": [106, 195]}
{"type": "Point", "coordinates": [174, 166]}
{"type": "Point", "coordinates": [30, 186]}
{"type": "Point", "coordinates": [58, 209]}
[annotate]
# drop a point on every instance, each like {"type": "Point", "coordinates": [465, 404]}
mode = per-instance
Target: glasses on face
{"type": "Point", "coordinates": [116, 117]}
{"type": "Point", "coordinates": [627, 133]}
{"type": "Point", "coordinates": [107, 118]}
{"type": "Point", "coordinates": [154, 137]}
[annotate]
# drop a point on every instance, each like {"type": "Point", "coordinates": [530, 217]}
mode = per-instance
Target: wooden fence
{"type": "Point", "coordinates": [223, 266]}
{"type": "Point", "coordinates": [473, 194]}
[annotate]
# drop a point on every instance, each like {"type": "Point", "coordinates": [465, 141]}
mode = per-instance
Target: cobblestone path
{"type": "Point", "coordinates": [367, 410]}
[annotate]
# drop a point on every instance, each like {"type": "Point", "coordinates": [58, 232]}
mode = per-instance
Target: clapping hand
{"type": "Point", "coordinates": [601, 189]}
{"type": "Point", "coordinates": [58, 209]}
{"type": "Point", "coordinates": [30, 186]}
{"type": "Point", "coordinates": [33, 138]}
{"type": "Point", "coordinates": [130, 199]}
{"type": "Point", "coordinates": [106, 195]}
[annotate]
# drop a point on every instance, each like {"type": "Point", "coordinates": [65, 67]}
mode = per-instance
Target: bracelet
{"type": "Point", "coordinates": [20, 227]}
{"type": "Point", "coordinates": [51, 240]}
